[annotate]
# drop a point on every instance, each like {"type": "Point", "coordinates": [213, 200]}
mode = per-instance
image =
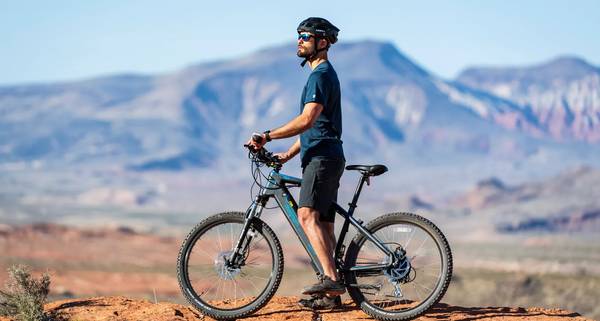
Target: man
{"type": "Point", "coordinates": [320, 127]}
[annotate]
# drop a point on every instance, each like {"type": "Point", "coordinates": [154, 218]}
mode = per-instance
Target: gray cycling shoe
{"type": "Point", "coordinates": [321, 303]}
{"type": "Point", "coordinates": [326, 286]}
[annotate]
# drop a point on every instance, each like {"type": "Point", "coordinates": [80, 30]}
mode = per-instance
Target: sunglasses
{"type": "Point", "coordinates": [304, 36]}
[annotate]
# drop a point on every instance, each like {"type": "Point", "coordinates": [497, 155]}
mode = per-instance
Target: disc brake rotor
{"type": "Point", "coordinates": [400, 272]}
{"type": "Point", "coordinates": [225, 272]}
{"type": "Point", "coordinates": [401, 269]}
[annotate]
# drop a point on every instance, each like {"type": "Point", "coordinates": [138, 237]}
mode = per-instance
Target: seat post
{"type": "Point", "coordinates": [359, 187]}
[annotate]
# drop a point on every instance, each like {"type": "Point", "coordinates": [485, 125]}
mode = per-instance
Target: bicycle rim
{"type": "Point", "coordinates": [220, 287]}
{"type": "Point", "coordinates": [414, 286]}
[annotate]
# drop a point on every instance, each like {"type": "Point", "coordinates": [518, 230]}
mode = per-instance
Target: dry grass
{"type": "Point", "coordinates": [24, 296]}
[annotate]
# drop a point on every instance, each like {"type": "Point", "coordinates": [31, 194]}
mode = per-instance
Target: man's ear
{"type": "Point", "coordinates": [323, 42]}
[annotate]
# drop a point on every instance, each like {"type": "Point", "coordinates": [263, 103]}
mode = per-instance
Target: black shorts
{"type": "Point", "coordinates": [320, 183]}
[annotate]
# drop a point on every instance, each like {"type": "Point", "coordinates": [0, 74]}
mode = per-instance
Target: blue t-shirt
{"type": "Point", "coordinates": [323, 139]}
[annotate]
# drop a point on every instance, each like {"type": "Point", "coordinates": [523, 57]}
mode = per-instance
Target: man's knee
{"type": "Point", "coordinates": [308, 216]}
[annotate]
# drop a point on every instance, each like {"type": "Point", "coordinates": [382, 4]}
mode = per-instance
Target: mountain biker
{"type": "Point", "coordinates": [320, 127]}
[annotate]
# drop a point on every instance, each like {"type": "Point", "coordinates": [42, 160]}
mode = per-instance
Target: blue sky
{"type": "Point", "coordinates": [43, 41]}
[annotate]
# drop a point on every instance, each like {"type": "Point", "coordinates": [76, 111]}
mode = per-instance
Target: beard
{"type": "Point", "coordinates": [303, 53]}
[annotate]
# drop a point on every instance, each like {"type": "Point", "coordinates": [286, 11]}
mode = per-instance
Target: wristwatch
{"type": "Point", "coordinates": [267, 136]}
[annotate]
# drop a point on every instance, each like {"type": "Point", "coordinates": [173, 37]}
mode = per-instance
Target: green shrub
{"type": "Point", "coordinates": [24, 296]}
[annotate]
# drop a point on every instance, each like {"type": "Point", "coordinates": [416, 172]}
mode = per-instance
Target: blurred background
{"type": "Point", "coordinates": [122, 124]}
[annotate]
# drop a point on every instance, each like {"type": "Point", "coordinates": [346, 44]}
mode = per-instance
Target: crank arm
{"type": "Point", "coordinates": [376, 287]}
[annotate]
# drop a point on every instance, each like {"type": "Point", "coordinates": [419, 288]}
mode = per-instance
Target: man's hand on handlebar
{"type": "Point", "coordinates": [257, 141]}
{"type": "Point", "coordinates": [283, 157]}
{"type": "Point", "coordinates": [260, 154]}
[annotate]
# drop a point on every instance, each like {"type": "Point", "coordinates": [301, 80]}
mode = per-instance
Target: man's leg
{"type": "Point", "coordinates": [320, 234]}
{"type": "Point", "coordinates": [330, 227]}
{"type": "Point", "coordinates": [320, 180]}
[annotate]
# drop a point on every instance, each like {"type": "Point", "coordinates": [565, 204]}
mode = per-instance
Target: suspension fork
{"type": "Point", "coordinates": [241, 246]}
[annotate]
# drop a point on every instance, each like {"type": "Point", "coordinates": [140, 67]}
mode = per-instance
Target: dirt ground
{"type": "Point", "coordinates": [279, 309]}
{"type": "Point", "coordinates": [100, 263]}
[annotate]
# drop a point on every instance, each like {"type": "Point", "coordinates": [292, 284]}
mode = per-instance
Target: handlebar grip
{"type": "Point", "coordinates": [249, 147]}
{"type": "Point", "coordinates": [257, 138]}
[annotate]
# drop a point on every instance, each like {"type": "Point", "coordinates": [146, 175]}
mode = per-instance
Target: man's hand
{"type": "Point", "coordinates": [283, 157]}
{"type": "Point", "coordinates": [257, 144]}
{"type": "Point", "coordinates": [293, 151]}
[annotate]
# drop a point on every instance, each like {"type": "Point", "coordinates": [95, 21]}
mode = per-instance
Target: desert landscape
{"type": "Point", "coordinates": [280, 308]}
{"type": "Point", "coordinates": [102, 177]}
{"type": "Point", "coordinates": [89, 266]}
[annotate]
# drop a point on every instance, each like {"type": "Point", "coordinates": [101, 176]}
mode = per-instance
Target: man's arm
{"type": "Point", "coordinates": [293, 151]}
{"type": "Point", "coordinates": [299, 124]}
{"type": "Point", "coordinates": [296, 126]}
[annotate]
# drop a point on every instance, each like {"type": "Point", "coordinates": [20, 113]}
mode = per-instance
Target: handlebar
{"type": "Point", "coordinates": [262, 155]}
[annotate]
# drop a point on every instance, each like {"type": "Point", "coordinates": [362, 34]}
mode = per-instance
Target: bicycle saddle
{"type": "Point", "coordinates": [371, 170]}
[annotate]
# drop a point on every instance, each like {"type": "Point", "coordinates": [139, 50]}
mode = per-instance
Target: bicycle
{"type": "Point", "coordinates": [395, 268]}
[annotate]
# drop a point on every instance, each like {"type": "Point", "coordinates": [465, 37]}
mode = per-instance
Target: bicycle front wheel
{"type": "Point", "coordinates": [215, 287]}
{"type": "Point", "coordinates": [418, 279]}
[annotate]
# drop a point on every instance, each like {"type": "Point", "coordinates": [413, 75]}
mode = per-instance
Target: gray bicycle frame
{"type": "Point", "coordinates": [276, 188]}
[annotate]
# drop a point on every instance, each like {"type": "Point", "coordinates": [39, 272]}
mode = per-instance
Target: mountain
{"type": "Point", "coordinates": [192, 117]}
{"type": "Point", "coordinates": [563, 203]}
{"type": "Point", "coordinates": [563, 94]}
{"type": "Point", "coordinates": [156, 142]}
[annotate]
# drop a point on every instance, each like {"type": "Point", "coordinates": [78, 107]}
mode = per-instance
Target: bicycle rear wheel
{"type": "Point", "coordinates": [218, 289]}
{"type": "Point", "coordinates": [418, 280]}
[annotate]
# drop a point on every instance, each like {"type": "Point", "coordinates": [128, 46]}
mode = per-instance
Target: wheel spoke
{"type": "Point", "coordinates": [208, 289]}
{"type": "Point", "coordinates": [198, 250]}
{"type": "Point", "coordinates": [231, 233]}
{"type": "Point", "coordinates": [412, 233]}
{"type": "Point", "coordinates": [219, 237]}
{"type": "Point", "coordinates": [420, 246]}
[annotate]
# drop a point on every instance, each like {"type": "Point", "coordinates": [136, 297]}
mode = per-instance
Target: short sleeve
{"type": "Point", "coordinates": [316, 89]}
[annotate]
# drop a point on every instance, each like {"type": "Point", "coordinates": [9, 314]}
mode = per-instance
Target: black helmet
{"type": "Point", "coordinates": [321, 28]}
